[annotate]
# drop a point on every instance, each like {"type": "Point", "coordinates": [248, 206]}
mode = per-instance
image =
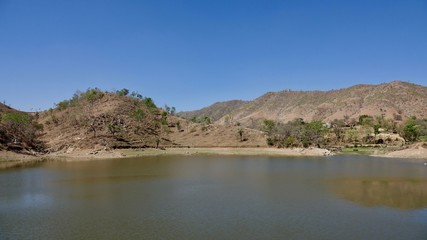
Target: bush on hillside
{"type": "Point", "coordinates": [18, 129]}
{"type": "Point", "coordinates": [123, 92]}
{"type": "Point", "coordinates": [92, 94]}
{"type": "Point", "coordinates": [149, 103]}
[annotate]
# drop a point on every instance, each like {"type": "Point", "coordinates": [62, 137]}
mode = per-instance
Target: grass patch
{"type": "Point", "coordinates": [359, 150]}
{"type": "Point", "coordinates": [423, 138]}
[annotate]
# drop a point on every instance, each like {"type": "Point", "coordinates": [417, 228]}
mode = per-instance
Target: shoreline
{"type": "Point", "coordinates": [16, 160]}
{"type": "Point", "coordinates": [83, 155]}
{"type": "Point", "coordinates": [234, 151]}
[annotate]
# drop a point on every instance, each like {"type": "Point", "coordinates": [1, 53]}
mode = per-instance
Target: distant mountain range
{"type": "Point", "coordinates": [396, 99]}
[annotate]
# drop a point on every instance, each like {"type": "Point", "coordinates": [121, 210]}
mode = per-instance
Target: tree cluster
{"type": "Point", "coordinates": [296, 133]}
{"type": "Point", "coordinates": [19, 131]}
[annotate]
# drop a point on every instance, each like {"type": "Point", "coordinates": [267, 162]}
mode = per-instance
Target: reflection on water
{"type": "Point", "coordinates": [401, 193]}
{"type": "Point", "coordinates": [106, 179]}
{"type": "Point", "coordinates": [212, 197]}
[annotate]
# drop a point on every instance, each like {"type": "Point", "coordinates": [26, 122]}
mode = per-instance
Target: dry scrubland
{"type": "Point", "coordinates": [395, 100]}
{"type": "Point", "coordinates": [97, 124]}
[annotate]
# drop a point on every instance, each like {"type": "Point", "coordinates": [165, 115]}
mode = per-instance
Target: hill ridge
{"type": "Point", "coordinates": [396, 99]}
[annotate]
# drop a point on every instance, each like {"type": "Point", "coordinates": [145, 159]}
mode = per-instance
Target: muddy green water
{"type": "Point", "coordinates": [216, 197]}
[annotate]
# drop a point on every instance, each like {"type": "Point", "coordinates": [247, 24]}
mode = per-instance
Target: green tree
{"type": "Point", "coordinates": [338, 129]}
{"type": "Point", "coordinates": [136, 95]}
{"type": "Point", "coordinates": [123, 92]}
{"type": "Point", "coordinates": [63, 105]}
{"type": "Point", "coordinates": [269, 126]}
{"type": "Point", "coordinates": [167, 108]}
{"type": "Point", "coordinates": [18, 128]}
{"type": "Point", "coordinates": [314, 133]}
{"type": "Point", "coordinates": [207, 120]}
{"type": "Point", "coordinates": [92, 94]}
{"type": "Point", "coordinates": [376, 129]}
{"type": "Point", "coordinates": [352, 135]}
{"type": "Point", "coordinates": [149, 103]}
{"type": "Point", "coordinates": [411, 129]}
{"type": "Point", "coordinates": [366, 120]}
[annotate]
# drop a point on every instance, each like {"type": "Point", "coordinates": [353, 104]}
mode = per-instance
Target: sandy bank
{"type": "Point", "coordinates": [418, 151]}
{"type": "Point", "coordinates": [233, 151]}
{"type": "Point", "coordinates": [10, 159]}
{"type": "Point", "coordinates": [81, 155]}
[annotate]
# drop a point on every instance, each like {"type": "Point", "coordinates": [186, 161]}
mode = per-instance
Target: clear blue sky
{"type": "Point", "coordinates": [190, 54]}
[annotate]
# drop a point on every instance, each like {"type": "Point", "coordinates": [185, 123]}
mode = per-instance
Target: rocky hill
{"type": "Point", "coordinates": [397, 100]}
{"type": "Point", "coordinates": [103, 120]}
{"type": "Point", "coordinates": [215, 111]}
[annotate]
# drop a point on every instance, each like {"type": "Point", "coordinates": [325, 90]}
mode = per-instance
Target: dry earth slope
{"type": "Point", "coordinates": [396, 100]}
{"type": "Point", "coordinates": [111, 121]}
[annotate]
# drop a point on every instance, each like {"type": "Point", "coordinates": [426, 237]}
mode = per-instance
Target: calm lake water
{"type": "Point", "coordinates": [216, 197]}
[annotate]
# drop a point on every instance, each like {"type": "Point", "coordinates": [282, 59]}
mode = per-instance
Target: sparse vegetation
{"type": "Point", "coordinates": [149, 103]}
{"type": "Point", "coordinates": [368, 130]}
{"type": "Point", "coordinates": [241, 132]}
{"type": "Point", "coordinates": [164, 118]}
{"type": "Point", "coordinates": [295, 133]}
{"type": "Point", "coordinates": [123, 92]}
{"type": "Point", "coordinates": [202, 120]}
{"type": "Point", "coordinates": [364, 105]}
{"type": "Point", "coordinates": [113, 128]}
{"type": "Point", "coordinates": [411, 129]}
{"type": "Point", "coordinates": [170, 110]}
{"type": "Point", "coordinates": [269, 126]}
{"type": "Point", "coordinates": [123, 119]}
{"type": "Point", "coordinates": [139, 114]}
{"type": "Point", "coordinates": [92, 95]}
{"type": "Point", "coordinates": [19, 132]}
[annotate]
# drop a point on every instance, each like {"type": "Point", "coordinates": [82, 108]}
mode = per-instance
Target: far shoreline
{"type": "Point", "coordinates": [15, 160]}
{"type": "Point", "coordinates": [221, 151]}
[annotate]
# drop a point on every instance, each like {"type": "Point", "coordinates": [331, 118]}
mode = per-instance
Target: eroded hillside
{"type": "Point", "coordinates": [103, 120]}
{"type": "Point", "coordinates": [397, 100]}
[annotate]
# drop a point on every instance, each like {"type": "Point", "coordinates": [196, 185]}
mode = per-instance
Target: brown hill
{"type": "Point", "coordinates": [6, 109]}
{"type": "Point", "coordinates": [97, 119]}
{"type": "Point", "coordinates": [101, 120]}
{"type": "Point", "coordinates": [214, 135]}
{"type": "Point", "coordinates": [396, 99]}
{"type": "Point", "coordinates": [215, 111]}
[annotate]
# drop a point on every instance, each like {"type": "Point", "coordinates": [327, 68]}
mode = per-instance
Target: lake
{"type": "Point", "coordinates": [216, 197]}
